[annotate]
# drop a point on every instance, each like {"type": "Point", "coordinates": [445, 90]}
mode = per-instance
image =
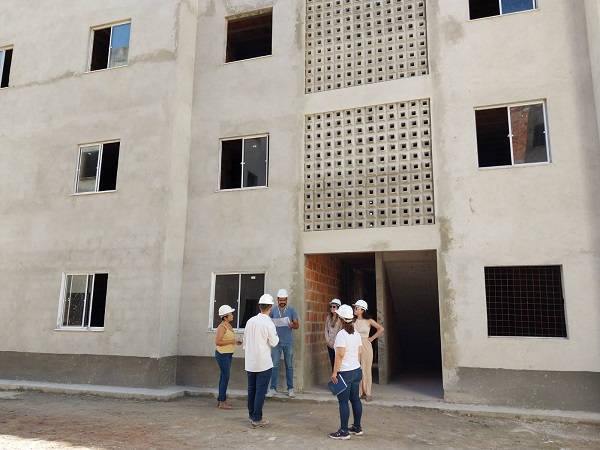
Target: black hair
{"type": "Point", "coordinates": [348, 326]}
{"type": "Point", "coordinates": [264, 307]}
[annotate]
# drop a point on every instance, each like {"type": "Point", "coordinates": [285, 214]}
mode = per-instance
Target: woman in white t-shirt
{"type": "Point", "coordinates": [348, 348]}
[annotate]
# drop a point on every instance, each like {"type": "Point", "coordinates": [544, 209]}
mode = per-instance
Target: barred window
{"type": "Point", "coordinates": [525, 301]}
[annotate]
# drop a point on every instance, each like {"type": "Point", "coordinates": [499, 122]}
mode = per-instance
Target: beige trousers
{"type": "Point", "coordinates": [366, 361]}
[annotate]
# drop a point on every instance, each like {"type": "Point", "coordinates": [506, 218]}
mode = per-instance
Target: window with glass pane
{"type": "Point", "coordinates": [84, 301]}
{"type": "Point", "coordinates": [97, 167]}
{"type": "Point", "coordinates": [488, 8]}
{"type": "Point", "coordinates": [244, 163]}
{"type": "Point", "coordinates": [110, 47]}
{"type": "Point", "coordinates": [511, 135]}
{"type": "Point", "coordinates": [5, 63]}
{"type": "Point", "coordinates": [239, 291]}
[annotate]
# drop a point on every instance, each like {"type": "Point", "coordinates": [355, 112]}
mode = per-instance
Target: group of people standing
{"type": "Point", "coordinates": [269, 334]}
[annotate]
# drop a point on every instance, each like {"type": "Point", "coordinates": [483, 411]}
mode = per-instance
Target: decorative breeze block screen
{"type": "Point", "coordinates": [357, 42]}
{"type": "Point", "coordinates": [368, 167]}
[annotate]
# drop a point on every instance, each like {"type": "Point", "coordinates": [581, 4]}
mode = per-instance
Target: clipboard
{"type": "Point", "coordinates": [337, 389]}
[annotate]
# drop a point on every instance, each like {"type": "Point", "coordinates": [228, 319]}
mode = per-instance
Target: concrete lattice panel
{"type": "Point", "coordinates": [354, 42]}
{"type": "Point", "coordinates": [368, 167]}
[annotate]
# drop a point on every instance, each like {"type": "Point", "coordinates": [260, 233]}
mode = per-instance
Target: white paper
{"type": "Point", "coordinates": [282, 322]}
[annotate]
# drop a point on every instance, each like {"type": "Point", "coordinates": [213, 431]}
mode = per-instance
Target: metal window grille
{"type": "Point", "coordinates": [525, 301]}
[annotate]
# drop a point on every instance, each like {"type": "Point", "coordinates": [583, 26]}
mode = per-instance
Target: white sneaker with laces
{"type": "Point", "coordinates": [270, 393]}
{"type": "Point", "coordinates": [291, 393]}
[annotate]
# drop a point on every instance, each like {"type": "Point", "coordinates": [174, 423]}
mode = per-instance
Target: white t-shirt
{"type": "Point", "coordinates": [259, 336]}
{"type": "Point", "coordinates": [350, 342]}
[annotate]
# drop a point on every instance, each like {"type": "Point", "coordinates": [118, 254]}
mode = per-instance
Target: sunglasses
{"type": "Point", "coordinates": [333, 306]}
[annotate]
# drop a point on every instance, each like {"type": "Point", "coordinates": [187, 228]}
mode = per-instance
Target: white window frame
{"type": "Point", "coordinates": [2, 53]}
{"type": "Point", "coordinates": [244, 138]}
{"type": "Point", "coordinates": [534, 8]}
{"type": "Point", "coordinates": [98, 167]}
{"type": "Point", "coordinates": [91, 44]}
{"type": "Point", "coordinates": [63, 299]}
{"type": "Point", "coordinates": [508, 106]}
{"type": "Point", "coordinates": [212, 312]}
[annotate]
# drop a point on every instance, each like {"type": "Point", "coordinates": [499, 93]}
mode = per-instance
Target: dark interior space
{"type": "Point", "coordinates": [249, 37]}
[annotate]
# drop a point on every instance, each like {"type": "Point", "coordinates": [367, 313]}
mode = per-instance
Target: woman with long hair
{"type": "Point", "coordinates": [225, 342]}
{"type": "Point", "coordinates": [363, 325]}
{"type": "Point", "coordinates": [348, 347]}
{"type": "Point", "coordinates": [332, 326]}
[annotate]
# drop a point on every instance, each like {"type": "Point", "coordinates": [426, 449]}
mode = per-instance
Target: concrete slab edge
{"type": "Point", "coordinates": [169, 393]}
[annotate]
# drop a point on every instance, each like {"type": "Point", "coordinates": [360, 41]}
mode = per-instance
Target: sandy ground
{"type": "Point", "coordinates": [34, 420]}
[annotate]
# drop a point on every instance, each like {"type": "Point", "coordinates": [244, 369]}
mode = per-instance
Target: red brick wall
{"type": "Point", "coordinates": [323, 283]}
{"type": "Point", "coordinates": [519, 120]}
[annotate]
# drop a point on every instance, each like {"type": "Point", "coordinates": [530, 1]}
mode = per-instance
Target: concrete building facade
{"type": "Point", "coordinates": [439, 159]}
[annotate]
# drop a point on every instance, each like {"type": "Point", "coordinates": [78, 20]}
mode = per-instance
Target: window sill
{"type": "Point", "coordinates": [77, 194]}
{"type": "Point", "coordinates": [78, 329]}
{"type": "Point", "coordinates": [226, 63]}
{"type": "Point", "coordinates": [505, 14]}
{"type": "Point", "coordinates": [105, 69]}
{"type": "Point", "coordinates": [254, 188]}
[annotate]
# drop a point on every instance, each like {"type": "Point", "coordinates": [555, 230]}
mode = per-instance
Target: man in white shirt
{"type": "Point", "coordinates": [259, 336]}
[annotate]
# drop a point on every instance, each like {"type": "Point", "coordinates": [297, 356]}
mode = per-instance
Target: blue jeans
{"type": "Point", "coordinates": [288, 357]}
{"type": "Point", "coordinates": [224, 362]}
{"type": "Point", "coordinates": [257, 391]}
{"type": "Point", "coordinates": [352, 379]}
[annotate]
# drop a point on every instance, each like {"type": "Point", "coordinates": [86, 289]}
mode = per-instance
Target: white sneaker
{"type": "Point", "coordinates": [270, 393]}
{"type": "Point", "coordinates": [291, 393]}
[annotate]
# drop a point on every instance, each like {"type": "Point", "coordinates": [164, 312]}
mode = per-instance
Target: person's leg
{"type": "Point", "coordinates": [288, 357]}
{"type": "Point", "coordinates": [251, 394]}
{"type": "Point", "coordinates": [331, 352]}
{"type": "Point", "coordinates": [262, 382]}
{"type": "Point", "coordinates": [343, 398]}
{"type": "Point", "coordinates": [275, 356]}
{"type": "Point", "coordinates": [366, 361]}
{"type": "Point", "coordinates": [224, 370]}
{"type": "Point", "coordinates": [355, 398]}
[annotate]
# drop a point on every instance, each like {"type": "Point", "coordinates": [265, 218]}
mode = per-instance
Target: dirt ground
{"type": "Point", "coordinates": [35, 420]}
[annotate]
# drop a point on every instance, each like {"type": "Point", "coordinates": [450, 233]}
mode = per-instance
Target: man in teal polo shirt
{"type": "Point", "coordinates": [285, 319]}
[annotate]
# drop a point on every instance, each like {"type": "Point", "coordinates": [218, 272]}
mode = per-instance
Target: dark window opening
{"type": "Point", "coordinates": [525, 301]}
{"type": "Point", "coordinates": [489, 8]}
{"type": "Point", "coordinates": [5, 62]}
{"type": "Point", "coordinates": [85, 300]}
{"type": "Point", "coordinates": [249, 37]}
{"type": "Point", "coordinates": [244, 163]}
{"type": "Point", "coordinates": [100, 49]}
{"type": "Point", "coordinates": [110, 47]}
{"type": "Point", "coordinates": [493, 143]}
{"type": "Point", "coordinates": [110, 164]}
{"type": "Point", "coordinates": [99, 300]}
{"type": "Point", "coordinates": [241, 292]}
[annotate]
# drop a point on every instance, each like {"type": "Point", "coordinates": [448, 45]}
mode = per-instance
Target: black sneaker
{"type": "Point", "coordinates": [357, 431]}
{"type": "Point", "coordinates": [339, 434]}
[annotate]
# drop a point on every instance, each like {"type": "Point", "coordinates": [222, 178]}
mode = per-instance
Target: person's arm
{"type": "Point", "coordinates": [272, 337]}
{"type": "Point", "coordinates": [379, 329]}
{"type": "Point", "coordinates": [339, 356]}
{"type": "Point", "coordinates": [293, 324]}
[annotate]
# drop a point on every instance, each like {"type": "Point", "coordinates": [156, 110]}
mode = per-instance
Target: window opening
{"type": "Point", "coordinates": [249, 37]}
{"type": "Point", "coordinates": [110, 46]}
{"type": "Point", "coordinates": [84, 301]}
{"type": "Point", "coordinates": [97, 167]}
{"type": "Point", "coordinates": [488, 8]}
{"type": "Point", "coordinates": [513, 135]}
{"type": "Point", "coordinates": [5, 63]}
{"type": "Point", "coordinates": [525, 301]}
{"type": "Point", "coordinates": [241, 292]}
{"type": "Point", "coordinates": [244, 163]}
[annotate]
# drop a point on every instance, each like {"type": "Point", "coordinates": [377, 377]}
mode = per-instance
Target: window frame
{"type": "Point", "coordinates": [242, 163]}
{"type": "Point", "coordinates": [213, 312]}
{"type": "Point", "coordinates": [63, 301]}
{"type": "Point", "coordinates": [91, 44]}
{"type": "Point", "coordinates": [96, 190]}
{"type": "Point", "coordinates": [508, 107]}
{"type": "Point", "coordinates": [248, 15]}
{"type": "Point", "coordinates": [3, 51]}
{"type": "Point", "coordinates": [500, 13]}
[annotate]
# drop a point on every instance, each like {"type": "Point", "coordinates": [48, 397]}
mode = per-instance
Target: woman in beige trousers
{"type": "Point", "coordinates": [363, 326]}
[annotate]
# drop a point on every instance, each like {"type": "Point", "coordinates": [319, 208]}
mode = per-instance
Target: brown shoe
{"type": "Point", "coordinates": [368, 398]}
{"type": "Point", "coordinates": [225, 405]}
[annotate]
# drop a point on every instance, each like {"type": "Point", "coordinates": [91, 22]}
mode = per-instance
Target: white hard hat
{"type": "Point", "coordinates": [225, 310]}
{"type": "Point", "coordinates": [362, 304]}
{"type": "Point", "coordinates": [335, 301]}
{"type": "Point", "coordinates": [266, 299]}
{"type": "Point", "coordinates": [282, 293]}
{"type": "Point", "coordinates": [345, 312]}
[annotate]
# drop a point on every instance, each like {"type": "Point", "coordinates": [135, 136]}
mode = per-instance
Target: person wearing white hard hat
{"type": "Point", "coordinates": [260, 336]}
{"type": "Point", "coordinates": [332, 326]}
{"type": "Point", "coordinates": [285, 319]}
{"type": "Point", "coordinates": [348, 348]}
{"type": "Point", "coordinates": [364, 322]}
{"type": "Point", "coordinates": [225, 342]}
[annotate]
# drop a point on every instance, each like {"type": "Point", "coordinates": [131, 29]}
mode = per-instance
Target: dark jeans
{"type": "Point", "coordinates": [331, 352]}
{"type": "Point", "coordinates": [257, 391]}
{"type": "Point", "coordinates": [352, 379]}
{"type": "Point", "coordinates": [288, 359]}
{"type": "Point", "coordinates": [224, 362]}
